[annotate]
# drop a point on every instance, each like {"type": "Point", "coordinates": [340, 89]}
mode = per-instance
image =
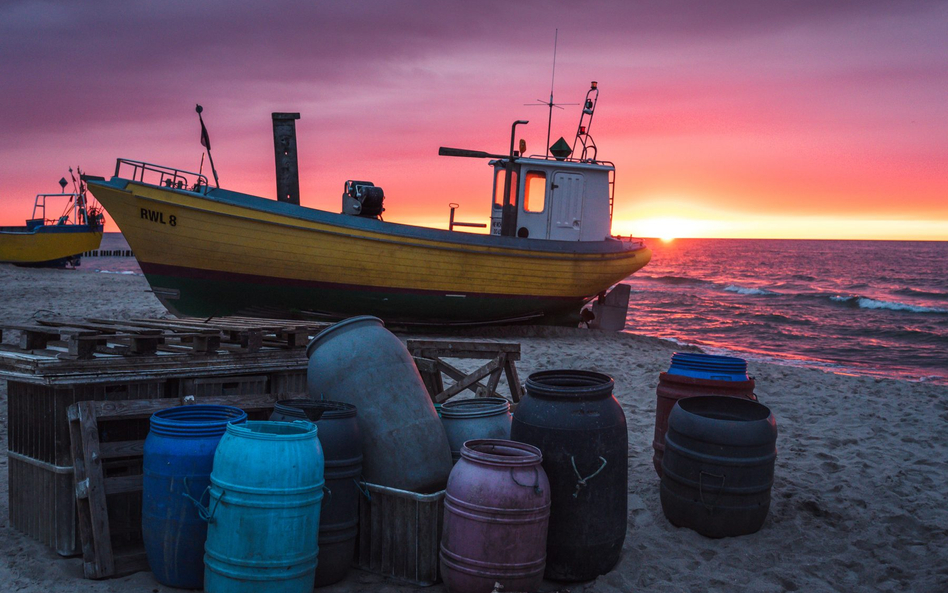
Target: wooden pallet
{"type": "Point", "coordinates": [83, 339]}
{"type": "Point", "coordinates": [501, 357]}
{"type": "Point", "coordinates": [100, 559]}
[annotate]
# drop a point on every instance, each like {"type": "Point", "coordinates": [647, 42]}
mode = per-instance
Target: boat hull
{"type": "Point", "coordinates": [53, 246]}
{"type": "Point", "coordinates": [227, 253]}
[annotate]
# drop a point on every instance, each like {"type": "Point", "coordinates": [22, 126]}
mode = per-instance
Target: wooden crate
{"type": "Point", "coordinates": [40, 459]}
{"type": "Point", "coordinates": [400, 534]}
{"type": "Point", "coordinates": [51, 365]}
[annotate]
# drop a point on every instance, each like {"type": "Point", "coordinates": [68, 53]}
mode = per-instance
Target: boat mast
{"type": "Point", "coordinates": [550, 103]}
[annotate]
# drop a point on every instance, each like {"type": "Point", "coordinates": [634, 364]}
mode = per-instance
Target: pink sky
{"type": "Point", "coordinates": [744, 119]}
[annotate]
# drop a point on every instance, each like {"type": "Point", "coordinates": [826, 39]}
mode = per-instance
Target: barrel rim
{"type": "Point", "coordinates": [523, 455]}
{"type": "Point", "coordinates": [332, 410]}
{"type": "Point", "coordinates": [592, 384]}
{"type": "Point", "coordinates": [251, 430]}
{"type": "Point", "coordinates": [757, 410]}
{"type": "Point", "coordinates": [686, 380]}
{"type": "Point", "coordinates": [195, 420]}
{"type": "Point", "coordinates": [345, 323]}
{"type": "Point", "coordinates": [477, 407]}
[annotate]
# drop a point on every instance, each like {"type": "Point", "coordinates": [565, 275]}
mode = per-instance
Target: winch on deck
{"type": "Point", "coordinates": [362, 198]}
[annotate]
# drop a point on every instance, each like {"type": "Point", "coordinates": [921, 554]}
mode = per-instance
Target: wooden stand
{"type": "Point", "coordinates": [100, 559]}
{"type": "Point", "coordinates": [501, 356]}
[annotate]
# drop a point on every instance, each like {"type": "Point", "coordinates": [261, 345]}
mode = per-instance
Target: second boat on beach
{"type": "Point", "coordinates": [54, 242]}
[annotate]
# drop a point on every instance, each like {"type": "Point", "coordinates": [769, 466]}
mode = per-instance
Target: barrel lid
{"type": "Point", "coordinates": [342, 325]}
{"type": "Point", "coordinates": [708, 366]}
{"type": "Point", "coordinates": [478, 407]}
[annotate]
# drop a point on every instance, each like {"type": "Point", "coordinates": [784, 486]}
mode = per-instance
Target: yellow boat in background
{"type": "Point", "coordinates": [210, 251]}
{"type": "Point", "coordinates": [54, 242]}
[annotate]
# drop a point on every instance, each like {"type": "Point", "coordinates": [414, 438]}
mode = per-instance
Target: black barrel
{"type": "Point", "coordinates": [338, 433]}
{"type": "Point", "coordinates": [718, 468]}
{"type": "Point", "coordinates": [572, 417]}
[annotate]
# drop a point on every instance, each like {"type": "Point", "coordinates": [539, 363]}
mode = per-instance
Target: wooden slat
{"type": "Point", "coordinates": [121, 449]}
{"type": "Point", "coordinates": [90, 492]}
{"type": "Point", "coordinates": [513, 381]}
{"type": "Point", "coordinates": [122, 484]}
{"type": "Point", "coordinates": [457, 349]}
{"type": "Point", "coordinates": [469, 380]}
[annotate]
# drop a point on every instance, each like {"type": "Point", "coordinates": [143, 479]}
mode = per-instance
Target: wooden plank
{"type": "Point", "coordinates": [495, 376]}
{"type": "Point", "coordinates": [110, 410]}
{"type": "Point", "coordinates": [453, 349]}
{"type": "Point", "coordinates": [456, 374]}
{"type": "Point", "coordinates": [513, 381]}
{"type": "Point", "coordinates": [122, 484]}
{"type": "Point", "coordinates": [90, 490]}
{"type": "Point", "coordinates": [468, 381]}
{"type": "Point", "coordinates": [121, 449]}
{"type": "Point", "coordinates": [131, 561]}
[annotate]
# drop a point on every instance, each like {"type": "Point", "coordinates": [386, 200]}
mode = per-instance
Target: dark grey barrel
{"type": "Point", "coordinates": [573, 418]}
{"type": "Point", "coordinates": [718, 468]}
{"type": "Point", "coordinates": [341, 439]}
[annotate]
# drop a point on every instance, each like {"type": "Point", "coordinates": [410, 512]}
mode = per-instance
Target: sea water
{"type": "Point", "coordinates": [876, 308]}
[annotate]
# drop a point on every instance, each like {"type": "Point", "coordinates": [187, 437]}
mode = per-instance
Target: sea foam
{"type": "Point", "coordinates": [748, 291]}
{"type": "Point", "coordinates": [867, 303]}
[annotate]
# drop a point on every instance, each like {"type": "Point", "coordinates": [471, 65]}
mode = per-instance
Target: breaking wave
{"type": "Point", "coordinates": [867, 303]}
{"type": "Point", "coordinates": [748, 291]}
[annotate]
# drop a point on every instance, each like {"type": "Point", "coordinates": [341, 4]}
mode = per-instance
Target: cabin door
{"type": "Point", "coordinates": [566, 206]}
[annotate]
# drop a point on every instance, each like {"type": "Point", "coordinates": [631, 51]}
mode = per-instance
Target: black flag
{"type": "Point", "coordinates": [206, 143]}
{"type": "Point", "coordinates": [205, 140]}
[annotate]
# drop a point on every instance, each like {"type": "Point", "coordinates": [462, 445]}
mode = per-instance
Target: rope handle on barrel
{"type": "Point", "coordinates": [581, 483]}
{"type": "Point", "coordinates": [701, 475]}
{"type": "Point", "coordinates": [202, 510]}
{"type": "Point", "coordinates": [536, 481]}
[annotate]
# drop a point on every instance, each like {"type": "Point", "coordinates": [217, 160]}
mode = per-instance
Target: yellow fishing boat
{"type": "Point", "coordinates": [210, 251]}
{"type": "Point", "coordinates": [53, 242]}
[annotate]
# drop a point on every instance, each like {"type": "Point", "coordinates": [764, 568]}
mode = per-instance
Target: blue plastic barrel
{"type": "Point", "coordinates": [263, 513]}
{"type": "Point", "coordinates": [708, 366]}
{"type": "Point", "coordinates": [178, 455]}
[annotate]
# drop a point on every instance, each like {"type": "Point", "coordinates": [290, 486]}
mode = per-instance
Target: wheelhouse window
{"type": "Point", "coordinates": [534, 192]}
{"type": "Point", "coordinates": [499, 175]}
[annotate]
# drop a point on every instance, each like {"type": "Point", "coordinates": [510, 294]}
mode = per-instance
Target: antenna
{"type": "Point", "coordinates": [550, 103]}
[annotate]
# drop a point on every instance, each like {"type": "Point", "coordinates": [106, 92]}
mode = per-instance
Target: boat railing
{"type": "Point", "coordinates": [162, 176]}
{"type": "Point", "coordinates": [39, 209]}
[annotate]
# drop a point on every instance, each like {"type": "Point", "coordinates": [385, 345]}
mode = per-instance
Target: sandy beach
{"type": "Point", "coordinates": [859, 501]}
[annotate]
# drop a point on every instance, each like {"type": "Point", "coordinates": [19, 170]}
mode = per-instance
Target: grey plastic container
{"type": "Point", "coordinates": [477, 418]}
{"type": "Point", "coordinates": [358, 361]}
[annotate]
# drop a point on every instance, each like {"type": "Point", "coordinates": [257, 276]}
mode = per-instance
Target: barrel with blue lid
{"type": "Point", "coordinates": [694, 374]}
{"type": "Point", "coordinates": [178, 457]}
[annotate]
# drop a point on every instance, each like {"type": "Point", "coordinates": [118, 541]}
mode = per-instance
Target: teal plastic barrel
{"type": "Point", "coordinates": [263, 515]}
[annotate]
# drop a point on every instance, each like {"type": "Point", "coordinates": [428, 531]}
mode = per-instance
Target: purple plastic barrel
{"type": "Point", "coordinates": [496, 514]}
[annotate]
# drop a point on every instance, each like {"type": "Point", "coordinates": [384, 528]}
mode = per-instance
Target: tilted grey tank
{"type": "Point", "coordinates": [358, 361]}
